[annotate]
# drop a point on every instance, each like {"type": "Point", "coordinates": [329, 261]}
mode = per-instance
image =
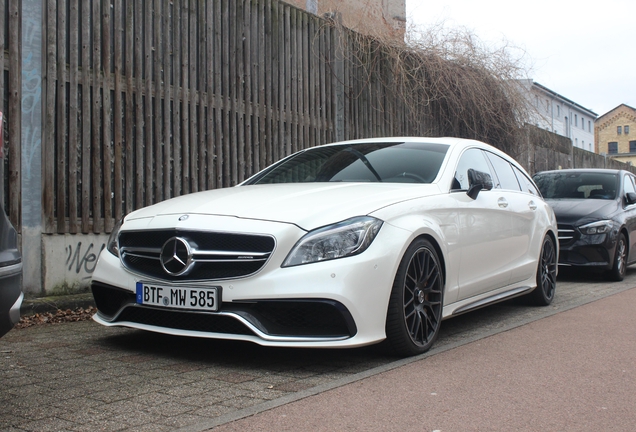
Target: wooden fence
{"type": "Point", "coordinates": [147, 100]}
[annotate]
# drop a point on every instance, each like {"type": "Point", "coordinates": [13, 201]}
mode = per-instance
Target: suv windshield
{"type": "Point", "coordinates": [577, 185]}
{"type": "Point", "coordinates": [370, 162]}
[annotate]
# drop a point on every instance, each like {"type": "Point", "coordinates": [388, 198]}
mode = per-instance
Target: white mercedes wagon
{"type": "Point", "coordinates": [341, 245]}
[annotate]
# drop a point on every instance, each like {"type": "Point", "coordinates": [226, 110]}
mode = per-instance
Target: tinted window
{"type": "Point", "coordinates": [471, 159]}
{"type": "Point", "coordinates": [628, 184]}
{"type": "Point", "coordinates": [577, 184]}
{"type": "Point", "coordinates": [507, 178]}
{"type": "Point", "coordinates": [372, 162]}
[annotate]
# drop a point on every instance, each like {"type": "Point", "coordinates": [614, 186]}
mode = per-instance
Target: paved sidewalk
{"type": "Point", "coordinates": [573, 371]}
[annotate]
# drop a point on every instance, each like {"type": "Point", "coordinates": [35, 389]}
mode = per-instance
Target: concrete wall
{"type": "Point", "coordinates": [69, 261]}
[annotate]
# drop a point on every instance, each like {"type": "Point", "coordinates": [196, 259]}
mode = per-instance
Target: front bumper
{"type": "Point", "coordinates": [593, 251]}
{"type": "Point", "coordinates": [337, 303]}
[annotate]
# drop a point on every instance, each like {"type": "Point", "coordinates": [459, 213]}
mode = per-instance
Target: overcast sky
{"type": "Point", "coordinates": [585, 51]}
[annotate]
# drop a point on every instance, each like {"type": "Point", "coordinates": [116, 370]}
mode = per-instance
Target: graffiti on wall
{"type": "Point", "coordinates": [82, 259]}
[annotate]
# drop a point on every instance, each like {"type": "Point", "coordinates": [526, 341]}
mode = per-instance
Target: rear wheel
{"type": "Point", "coordinates": [543, 294]}
{"type": "Point", "coordinates": [617, 273]}
{"type": "Point", "coordinates": [415, 306]}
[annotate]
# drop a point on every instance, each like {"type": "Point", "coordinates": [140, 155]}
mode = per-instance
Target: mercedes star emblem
{"type": "Point", "coordinates": [176, 256]}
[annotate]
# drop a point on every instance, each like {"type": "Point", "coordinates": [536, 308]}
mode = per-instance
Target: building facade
{"type": "Point", "coordinates": [377, 18]}
{"type": "Point", "coordinates": [616, 134]}
{"type": "Point", "coordinates": [558, 114]}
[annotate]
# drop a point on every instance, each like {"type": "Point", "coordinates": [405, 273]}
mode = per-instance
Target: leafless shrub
{"type": "Point", "coordinates": [448, 82]}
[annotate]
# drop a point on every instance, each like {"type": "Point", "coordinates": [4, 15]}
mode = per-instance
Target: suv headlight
{"type": "Point", "coordinates": [600, 227]}
{"type": "Point", "coordinates": [113, 245]}
{"type": "Point", "coordinates": [343, 239]}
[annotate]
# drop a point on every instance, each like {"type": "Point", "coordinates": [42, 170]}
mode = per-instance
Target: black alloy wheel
{"type": "Point", "coordinates": [543, 294]}
{"type": "Point", "coordinates": [617, 273]}
{"type": "Point", "coordinates": [415, 307]}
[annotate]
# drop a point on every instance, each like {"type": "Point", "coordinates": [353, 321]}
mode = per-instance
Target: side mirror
{"type": "Point", "coordinates": [630, 197]}
{"type": "Point", "coordinates": [478, 181]}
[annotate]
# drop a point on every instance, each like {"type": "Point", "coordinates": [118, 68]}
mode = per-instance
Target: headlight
{"type": "Point", "coordinates": [340, 240]}
{"type": "Point", "coordinates": [600, 227]}
{"type": "Point", "coordinates": [112, 245]}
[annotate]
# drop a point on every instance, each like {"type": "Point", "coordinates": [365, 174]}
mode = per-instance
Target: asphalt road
{"type": "Point", "coordinates": [81, 376]}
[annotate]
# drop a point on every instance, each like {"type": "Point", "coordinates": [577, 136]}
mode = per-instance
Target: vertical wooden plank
{"type": "Point", "coordinates": [139, 106]}
{"type": "Point", "coordinates": [218, 96]}
{"type": "Point", "coordinates": [294, 95]}
{"type": "Point", "coordinates": [86, 117]}
{"type": "Point", "coordinates": [167, 97]}
{"type": "Point", "coordinates": [201, 100]}
{"type": "Point", "coordinates": [157, 57]}
{"type": "Point", "coordinates": [48, 145]}
{"type": "Point", "coordinates": [248, 165]}
{"type": "Point", "coordinates": [118, 116]}
{"type": "Point", "coordinates": [209, 71]}
{"type": "Point", "coordinates": [227, 95]}
{"type": "Point", "coordinates": [61, 120]}
{"type": "Point", "coordinates": [268, 82]}
{"type": "Point", "coordinates": [285, 87]}
{"type": "Point", "coordinates": [148, 113]}
{"type": "Point", "coordinates": [305, 33]}
{"type": "Point", "coordinates": [97, 120]}
{"type": "Point", "coordinates": [177, 56]}
{"type": "Point", "coordinates": [185, 97]}
{"type": "Point", "coordinates": [263, 137]}
{"type": "Point", "coordinates": [193, 61]}
{"type": "Point", "coordinates": [107, 142]}
{"type": "Point", "coordinates": [241, 101]}
{"type": "Point", "coordinates": [129, 109]}
{"type": "Point", "coordinates": [277, 91]}
{"type": "Point", "coordinates": [233, 37]}
{"type": "Point", "coordinates": [73, 115]}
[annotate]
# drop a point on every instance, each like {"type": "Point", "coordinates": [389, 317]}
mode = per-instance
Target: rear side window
{"type": "Point", "coordinates": [507, 177]}
{"type": "Point", "coordinates": [526, 184]}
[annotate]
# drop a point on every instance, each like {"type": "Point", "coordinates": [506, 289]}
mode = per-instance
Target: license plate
{"type": "Point", "coordinates": [193, 298]}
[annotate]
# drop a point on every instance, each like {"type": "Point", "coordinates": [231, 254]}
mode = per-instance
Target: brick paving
{"type": "Point", "coordinates": [82, 376]}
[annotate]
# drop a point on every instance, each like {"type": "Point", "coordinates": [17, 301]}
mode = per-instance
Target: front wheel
{"type": "Point", "coordinates": [415, 306]}
{"type": "Point", "coordinates": [543, 294]}
{"type": "Point", "coordinates": [617, 273]}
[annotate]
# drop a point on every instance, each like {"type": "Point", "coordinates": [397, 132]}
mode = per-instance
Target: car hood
{"type": "Point", "coordinates": [307, 205]}
{"type": "Point", "coordinates": [570, 211]}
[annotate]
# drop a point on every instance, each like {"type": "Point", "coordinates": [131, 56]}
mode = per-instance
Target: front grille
{"type": "Point", "coordinates": [214, 255]}
{"type": "Point", "coordinates": [567, 235]}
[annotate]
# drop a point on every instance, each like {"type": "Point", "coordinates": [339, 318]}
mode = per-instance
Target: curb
{"type": "Point", "coordinates": [31, 306]}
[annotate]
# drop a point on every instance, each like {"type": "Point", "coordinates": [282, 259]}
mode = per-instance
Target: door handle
{"type": "Point", "coordinates": [532, 205]}
{"type": "Point", "coordinates": [502, 202]}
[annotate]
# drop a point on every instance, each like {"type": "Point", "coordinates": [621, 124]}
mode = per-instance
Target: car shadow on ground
{"type": "Point", "coordinates": [574, 274]}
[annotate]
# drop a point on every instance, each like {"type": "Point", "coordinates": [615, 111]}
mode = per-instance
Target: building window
{"type": "Point", "coordinates": [558, 111]}
{"type": "Point", "coordinates": [626, 129]}
{"type": "Point", "coordinates": [582, 123]}
{"type": "Point", "coordinates": [612, 147]}
{"type": "Point", "coordinates": [589, 126]}
{"type": "Point", "coordinates": [632, 146]}
{"type": "Point", "coordinates": [590, 146]}
{"type": "Point", "coordinates": [576, 142]}
{"type": "Point", "coordinates": [619, 130]}
{"type": "Point", "coordinates": [576, 120]}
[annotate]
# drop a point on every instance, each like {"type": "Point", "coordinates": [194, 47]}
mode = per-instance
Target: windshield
{"type": "Point", "coordinates": [577, 185]}
{"type": "Point", "coordinates": [369, 162]}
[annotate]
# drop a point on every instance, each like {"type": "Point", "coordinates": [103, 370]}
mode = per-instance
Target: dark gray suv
{"type": "Point", "coordinates": [10, 261]}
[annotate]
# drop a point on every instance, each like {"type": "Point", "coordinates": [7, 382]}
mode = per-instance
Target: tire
{"type": "Point", "coordinates": [543, 294]}
{"type": "Point", "coordinates": [617, 273]}
{"type": "Point", "coordinates": [415, 306]}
